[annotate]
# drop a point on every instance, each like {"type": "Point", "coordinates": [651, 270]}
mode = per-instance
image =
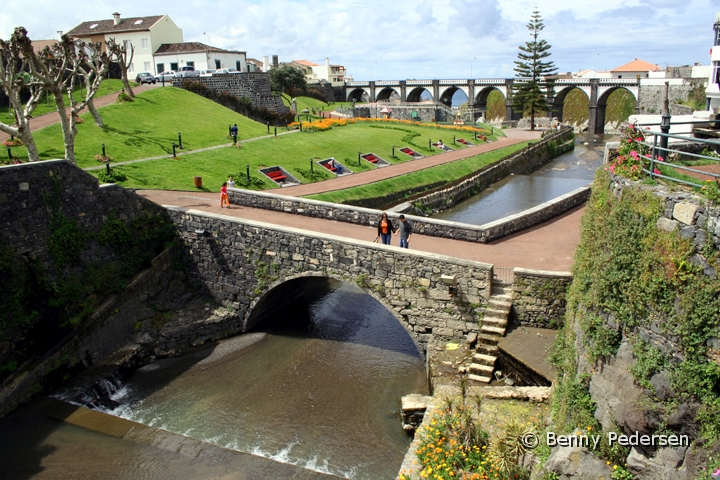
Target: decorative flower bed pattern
{"type": "Point", "coordinates": [465, 142]}
{"type": "Point", "coordinates": [442, 147]}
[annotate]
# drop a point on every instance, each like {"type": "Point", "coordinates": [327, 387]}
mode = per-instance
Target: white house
{"type": "Point", "coordinates": [713, 89]}
{"type": "Point", "coordinates": [146, 34]}
{"type": "Point", "coordinates": [172, 56]}
{"type": "Point", "coordinates": [335, 74]}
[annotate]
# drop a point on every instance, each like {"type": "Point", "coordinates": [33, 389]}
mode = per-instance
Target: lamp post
{"type": "Point", "coordinates": [471, 65]}
{"type": "Point", "coordinates": [208, 51]}
{"type": "Point", "coordinates": [595, 69]}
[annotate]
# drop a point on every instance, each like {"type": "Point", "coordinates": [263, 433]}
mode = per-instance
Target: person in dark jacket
{"type": "Point", "coordinates": [405, 229]}
{"type": "Point", "coordinates": [385, 229]}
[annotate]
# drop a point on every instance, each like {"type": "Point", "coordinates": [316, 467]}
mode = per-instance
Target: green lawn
{"type": "Point", "coordinates": [147, 127]}
{"type": "Point", "coordinates": [47, 104]}
{"type": "Point", "coordinates": [292, 151]}
{"type": "Point", "coordinates": [448, 171]}
{"type": "Point", "coordinates": [310, 103]}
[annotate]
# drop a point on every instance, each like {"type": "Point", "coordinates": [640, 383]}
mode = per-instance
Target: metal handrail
{"type": "Point", "coordinates": [657, 150]}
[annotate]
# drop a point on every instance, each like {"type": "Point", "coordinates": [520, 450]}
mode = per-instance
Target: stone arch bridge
{"type": "Point", "coordinates": [258, 269]}
{"type": "Point", "coordinates": [477, 91]}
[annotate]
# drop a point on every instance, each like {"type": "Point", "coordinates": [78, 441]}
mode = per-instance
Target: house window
{"type": "Point", "coordinates": [217, 63]}
{"type": "Point", "coordinates": [131, 68]}
{"type": "Point", "coordinates": [146, 66]}
{"type": "Point", "coordinates": [191, 64]}
{"type": "Point", "coordinates": [128, 44]}
{"type": "Point", "coordinates": [238, 65]}
{"type": "Point", "coordinates": [173, 66]}
{"type": "Point", "coordinates": [160, 67]}
{"type": "Point", "coordinates": [144, 43]}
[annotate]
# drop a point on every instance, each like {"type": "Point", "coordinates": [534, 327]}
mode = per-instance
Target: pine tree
{"type": "Point", "coordinates": [529, 91]}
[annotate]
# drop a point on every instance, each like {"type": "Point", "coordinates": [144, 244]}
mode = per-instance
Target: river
{"type": "Point", "coordinates": [521, 192]}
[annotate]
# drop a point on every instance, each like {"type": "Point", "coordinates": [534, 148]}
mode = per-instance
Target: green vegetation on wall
{"type": "Point", "coordinates": [628, 274]}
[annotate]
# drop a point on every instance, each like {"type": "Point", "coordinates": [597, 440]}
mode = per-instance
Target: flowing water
{"type": "Point", "coordinates": [319, 388]}
{"type": "Point", "coordinates": [520, 192]}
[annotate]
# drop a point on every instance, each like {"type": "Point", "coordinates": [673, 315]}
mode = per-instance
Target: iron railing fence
{"type": "Point", "coordinates": [658, 151]}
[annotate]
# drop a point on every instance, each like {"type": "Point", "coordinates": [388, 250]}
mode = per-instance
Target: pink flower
{"type": "Point", "coordinates": [634, 154]}
{"type": "Point", "coordinates": [660, 159]}
{"type": "Point", "coordinates": [656, 171]}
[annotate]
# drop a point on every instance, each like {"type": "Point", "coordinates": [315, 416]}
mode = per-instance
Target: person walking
{"type": "Point", "coordinates": [405, 229]}
{"type": "Point", "coordinates": [385, 229]}
{"type": "Point", "coordinates": [231, 182]}
{"type": "Point", "coordinates": [224, 202]}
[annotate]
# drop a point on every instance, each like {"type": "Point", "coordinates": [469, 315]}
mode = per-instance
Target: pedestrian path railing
{"type": "Point", "coordinates": [660, 153]}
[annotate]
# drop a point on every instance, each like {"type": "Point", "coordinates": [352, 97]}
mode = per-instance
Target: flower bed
{"type": "Point", "coordinates": [375, 160]}
{"type": "Point", "coordinates": [409, 151]}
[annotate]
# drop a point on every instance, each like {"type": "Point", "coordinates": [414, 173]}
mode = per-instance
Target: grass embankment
{"type": "Point", "coordinates": [310, 104]}
{"type": "Point", "coordinates": [147, 127]}
{"type": "Point", "coordinates": [449, 171]}
{"type": "Point", "coordinates": [292, 151]}
{"type": "Point", "coordinates": [47, 104]}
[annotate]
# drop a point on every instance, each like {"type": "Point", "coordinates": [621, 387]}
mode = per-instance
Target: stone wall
{"type": "Point", "coordinates": [539, 297]}
{"type": "Point", "coordinates": [239, 261]}
{"type": "Point", "coordinates": [25, 190]}
{"type": "Point", "coordinates": [652, 97]}
{"type": "Point", "coordinates": [255, 86]}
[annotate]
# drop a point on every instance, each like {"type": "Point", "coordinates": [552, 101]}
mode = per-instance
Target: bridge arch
{"type": "Point", "coordinates": [558, 102]}
{"type": "Point", "coordinates": [415, 95]}
{"type": "Point", "coordinates": [446, 96]}
{"type": "Point", "coordinates": [388, 93]}
{"type": "Point", "coordinates": [358, 95]}
{"type": "Point", "coordinates": [283, 292]}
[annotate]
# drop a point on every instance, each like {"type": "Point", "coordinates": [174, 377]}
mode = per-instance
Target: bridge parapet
{"type": "Point", "coordinates": [241, 261]}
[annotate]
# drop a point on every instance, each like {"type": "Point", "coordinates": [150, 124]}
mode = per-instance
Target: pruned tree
{"type": "Point", "coordinates": [14, 78]}
{"type": "Point", "coordinates": [123, 54]}
{"type": "Point", "coordinates": [92, 65]}
{"type": "Point", "coordinates": [531, 69]}
{"type": "Point", "coordinates": [287, 79]}
{"type": "Point", "coordinates": [57, 68]}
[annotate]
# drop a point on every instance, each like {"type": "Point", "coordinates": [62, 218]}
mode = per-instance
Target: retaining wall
{"type": "Point", "coordinates": [538, 298]}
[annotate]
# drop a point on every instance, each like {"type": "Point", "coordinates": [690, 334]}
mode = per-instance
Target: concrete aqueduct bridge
{"type": "Point", "coordinates": [258, 269]}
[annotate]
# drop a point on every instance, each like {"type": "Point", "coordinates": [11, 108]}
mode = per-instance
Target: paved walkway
{"type": "Point", "coordinates": [36, 123]}
{"type": "Point", "coordinates": [514, 136]}
{"type": "Point", "coordinates": [548, 246]}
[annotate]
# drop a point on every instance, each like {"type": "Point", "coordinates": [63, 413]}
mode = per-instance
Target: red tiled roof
{"type": "Point", "coordinates": [638, 65]}
{"type": "Point", "coordinates": [108, 26]}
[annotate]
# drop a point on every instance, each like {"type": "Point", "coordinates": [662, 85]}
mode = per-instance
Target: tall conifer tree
{"type": "Point", "coordinates": [531, 71]}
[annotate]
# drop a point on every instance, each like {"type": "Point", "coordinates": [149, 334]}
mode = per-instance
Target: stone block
{"type": "Point", "coordinates": [667, 225]}
{"type": "Point", "coordinates": [685, 212]}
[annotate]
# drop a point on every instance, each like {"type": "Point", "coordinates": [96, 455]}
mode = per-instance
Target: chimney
{"type": "Point", "coordinates": [116, 18]}
{"type": "Point", "coordinates": [60, 33]}
{"type": "Point", "coordinates": [275, 60]}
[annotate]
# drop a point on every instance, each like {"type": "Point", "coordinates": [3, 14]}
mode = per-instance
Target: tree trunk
{"type": "Point", "coordinates": [67, 127]}
{"type": "Point", "coordinates": [126, 83]}
{"type": "Point", "coordinates": [95, 114]}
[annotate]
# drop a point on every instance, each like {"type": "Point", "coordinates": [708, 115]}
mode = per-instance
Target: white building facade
{"type": "Point", "coordinates": [173, 56]}
{"type": "Point", "coordinates": [713, 89]}
{"type": "Point", "coordinates": [145, 34]}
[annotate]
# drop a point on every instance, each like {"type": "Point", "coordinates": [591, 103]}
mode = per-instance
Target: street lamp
{"type": "Point", "coordinates": [208, 51]}
{"type": "Point", "coordinates": [471, 65]}
{"type": "Point", "coordinates": [595, 70]}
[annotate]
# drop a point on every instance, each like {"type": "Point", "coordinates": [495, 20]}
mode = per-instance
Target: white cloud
{"type": "Point", "coordinates": [407, 39]}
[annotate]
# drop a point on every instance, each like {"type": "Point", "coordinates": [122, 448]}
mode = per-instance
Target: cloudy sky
{"type": "Point", "coordinates": [422, 39]}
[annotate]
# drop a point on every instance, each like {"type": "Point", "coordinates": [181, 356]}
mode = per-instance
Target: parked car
{"type": "Point", "coordinates": [206, 73]}
{"type": "Point", "coordinates": [167, 76]}
{"type": "Point", "coordinates": [187, 72]}
{"type": "Point", "coordinates": [145, 77]}
{"type": "Point", "coordinates": [226, 70]}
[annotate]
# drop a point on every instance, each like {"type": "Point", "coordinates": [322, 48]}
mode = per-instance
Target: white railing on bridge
{"type": "Point", "coordinates": [453, 82]}
{"type": "Point", "coordinates": [356, 84]}
{"type": "Point", "coordinates": [387, 82]}
{"type": "Point", "coordinates": [489, 81]}
{"type": "Point", "coordinates": [419, 82]}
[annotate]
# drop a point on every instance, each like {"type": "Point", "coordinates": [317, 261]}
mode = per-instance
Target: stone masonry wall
{"type": "Point", "coordinates": [255, 86]}
{"type": "Point", "coordinates": [652, 97]}
{"type": "Point", "coordinates": [239, 261]}
{"type": "Point", "coordinates": [24, 216]}
{"type": "Point", "coordinates": [539, 297]}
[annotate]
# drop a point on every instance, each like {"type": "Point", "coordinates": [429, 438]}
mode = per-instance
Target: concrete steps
{"type": "Point", "coordinates": [493, 327]}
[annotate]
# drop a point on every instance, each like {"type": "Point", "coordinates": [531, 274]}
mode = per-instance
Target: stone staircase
{"type": "Point", "coordinates": [493, 329]}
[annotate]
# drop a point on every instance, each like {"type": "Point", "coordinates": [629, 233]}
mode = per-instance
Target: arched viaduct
{"type": "Point", "coordinates": [258, 269]}
{"type": "Point", "coordinates": [477, 91]}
